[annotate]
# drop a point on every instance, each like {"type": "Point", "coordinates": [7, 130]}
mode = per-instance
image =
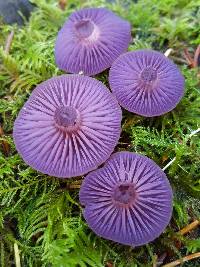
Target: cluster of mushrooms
{"type": "Point", "coordinates": [71, 124]}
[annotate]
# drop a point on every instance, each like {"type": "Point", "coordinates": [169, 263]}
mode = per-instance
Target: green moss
{"type": "Point", "coordinates": [41, 214]}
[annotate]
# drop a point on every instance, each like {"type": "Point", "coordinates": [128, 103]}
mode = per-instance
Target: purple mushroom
{"type": "Point", "coordinates": [129, 200]}
{"type": "Point", "coordinates": [90, 40]}
{"type": "Point", "coordinates": [146, 82]}
{"type": "Point", "coordinates": [68, 127]}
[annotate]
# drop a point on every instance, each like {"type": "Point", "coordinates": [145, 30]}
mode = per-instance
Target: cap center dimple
{"type": "Point", "coordinates": [84, 28]}
{"type": "Point", "coordinates": [124, 194]}
{"type": "Point", "coordinates": [148, 74]}
{"type": "Point", "coordinates": [65, 116]}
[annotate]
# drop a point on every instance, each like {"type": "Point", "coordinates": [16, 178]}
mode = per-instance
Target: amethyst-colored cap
{"type": "Point", "coordinates": [146, 82]}
{"type": "Point", "coordinates": [90, 40]}
{"type": "Point", "coordinates": [68, 127]}
{"type": "Point", "coordinates": [129, 200]}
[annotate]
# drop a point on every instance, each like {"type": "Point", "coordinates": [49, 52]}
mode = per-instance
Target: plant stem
{"type": "Point", "coordinates": [17, 257]}
{"type": "Point", "coordinates": [169, 163]}
{"type": "Point", "coordinates": [9, 42]}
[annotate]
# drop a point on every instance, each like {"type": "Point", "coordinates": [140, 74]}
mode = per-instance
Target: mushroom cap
{"type": "Point", "coordinates": [146, 82]}
{"type": "Point", "coordinates": [129, 200]}
{"type": "Point", "coordinates": [90, 40]}
{"type": "Point", "coordinates": [68, 127]}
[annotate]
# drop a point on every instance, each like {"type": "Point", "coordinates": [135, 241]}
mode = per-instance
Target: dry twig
{"type": "Point", "coordinates": [182, 260]}
{"type": "Point", "coordinates": [192, 62]}
{"type": "Point", "coordinates": [74, 186]}
{"type": "Point", "coordinates": [196, 56]}
{"type": "Point", "coordinates": [189, 227]}
{"type": "Point", "coordinates": [5, 145]}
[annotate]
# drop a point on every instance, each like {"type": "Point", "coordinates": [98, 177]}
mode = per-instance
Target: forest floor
{"type": "Point", "coordinates": [41, 221]}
